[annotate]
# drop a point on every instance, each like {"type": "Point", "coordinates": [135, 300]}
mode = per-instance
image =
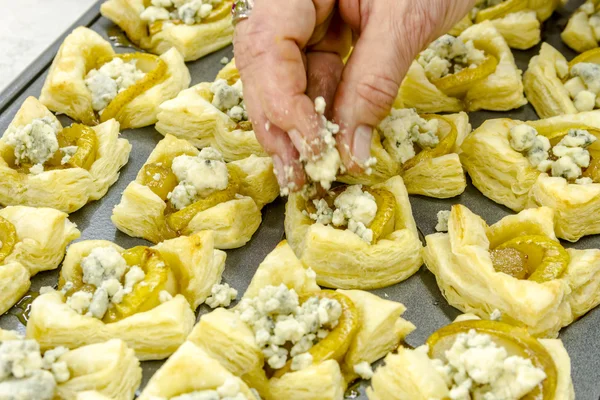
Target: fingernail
{"type": "Point", "coordinates": [279, 171]}
{"type": "Point", "coordinates": [361, 144]}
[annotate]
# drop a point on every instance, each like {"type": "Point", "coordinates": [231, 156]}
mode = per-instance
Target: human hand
{"type": "Point", "coordinates": [290, 52]}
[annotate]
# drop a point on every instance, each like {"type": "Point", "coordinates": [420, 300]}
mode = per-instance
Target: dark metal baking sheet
{"type": "Point", "coordinates": [426, 307]}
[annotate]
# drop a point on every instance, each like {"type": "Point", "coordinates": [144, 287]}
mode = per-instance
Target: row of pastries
{"type": "Point", "coordinates": [202, 190]}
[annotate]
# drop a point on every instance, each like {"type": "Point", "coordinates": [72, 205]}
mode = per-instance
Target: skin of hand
{"type": "Point", "coordinates": [290, 52]}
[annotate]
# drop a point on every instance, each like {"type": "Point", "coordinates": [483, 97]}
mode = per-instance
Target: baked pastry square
{"type": "Point", "coordinates": [557, 87]}
{"type": "Point", "coordinates": [319, 365]}
{"type": "Point", "coordinates": [109, 368]}
{"type": "Point", "coordinates": [422, 148]}
{"type": "Point", "coordinates": [31, 240]}
{"type": "Point", "coordinates": [473, 71]}
{"type": "Point", "coordinates": [550, 162]}
{"type": "Point", "coordinates": [90, 83]}
{"type": "Point", "coordinates": [144, 296]}
{"type": "Point", "coordinates": [191, 371]}
{"type": "Point", "coordinates": [212, 114]}
{"type": "Point", "coordinates": [181, 190]}
{"type": "Point", "coordinates": [582, 32]}
{"type": "Point", "coordinates": [518, 21]}
{"type": "Point", "coordinates": [194, 28]}
{"type": "Point", "coordinates": [516, 266]}
{"type": "Point", "coordinates": [356, 237]}
{"type": "Point", "coordinates": [43, 164]}
{"type": "Point", "coordinates": [516, 365]}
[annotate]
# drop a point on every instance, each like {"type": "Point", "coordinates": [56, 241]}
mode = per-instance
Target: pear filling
{"type": "Point", "coordinates": [482, 5]}
{"type": "Point", "coordinates": [26, 373]}
{"type": "Point", "coordinates": [533, 257]}
{"type": "Point", "coordinates": [43, 145]}
{"type": "Point", "coordinates": [295, 331]}
{"type": "Point", "coordinates": [453, 65]}
{"type": "Point", "coordinates": [110, 285]}
{"type": "Point", "coordinates": [369, 213]}
{"type": "Point", "coordinates": [568, 158]}
{"type": "Point", "coordinates": [411, 138]}
{"type": "Point", "coordinates": [8, 238]}
{"type": "Point", "coordinates": [491, 360]}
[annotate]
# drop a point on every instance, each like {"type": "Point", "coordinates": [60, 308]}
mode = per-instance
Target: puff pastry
{"type": "Point", "coordinates": [518, 21]}
{"type": "Point", "coordinates": [33, 240]}
{"type": "Point", "coordinates": [192, 116]}
{"type": "Point", "coordinates": [496, 88]}
{"type": "Point", "coordinates": [109, 368]}
{"type": "Point", "coordinates": [513, 181]}
{"type": "Point", "coordinates": [468, 262]}
{"type": "Point", "coordinates": [65, 189]}
{"type": "Point", "coordinates": [67, 88]}
{"type": "Point", "coordinates": [192, 41]}
{"type": "Point", "coordinates": [233, 220]}
{"type": "Point", "coordinates": [225, 336]}
{"type": "Point", "coordinates": [342, 259]}
{"type": "Point", "coordinates": [581, 33]}
{"type": "Point", "coordinates": [438, 172]}
{"type": "Point", "coordinates": [419, 375]}
{"type": "Point", "coordinates": [153, 330]}
{"type": "Point", "coordinates": [555, 87]}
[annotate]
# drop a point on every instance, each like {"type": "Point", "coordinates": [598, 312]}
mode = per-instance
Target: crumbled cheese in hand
{"type": "Point", "coordinates": [111, 79]}
{"type": "Point", "coordinates": [278, 321]}
{"type": "Point", "coordinates": [477, 368]}
{"type": "Point", "coordinates": [442, 221]}
{"type": "Point", "coordinates": [221, 295]}
{"type": "Point", "coordinates": [24, 374]}
{"type": "Point", "coordinates": [323, 168]}
{"type": "Point", "coordinates": [35, 142]}
{"type": "Point", "coordinates": [198, 176]}
{"type": "Point", "coordinates": [363, 370]}
{"type": "Point", "coordinates": [449, 55]}
{"type": "Point", "coordinates": [403, 128]}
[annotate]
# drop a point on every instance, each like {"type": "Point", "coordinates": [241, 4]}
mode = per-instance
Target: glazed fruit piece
{"type": "Point", "coordinates": [501, 10]}
{"type": "Point", "coordinates": [8, 238]}
{"type": "Point", "coordinates": [447, 135]}
{"type": "Point", "coordinates": [458, 84]}
{"type": "Point", "coordinates": [86, 141]}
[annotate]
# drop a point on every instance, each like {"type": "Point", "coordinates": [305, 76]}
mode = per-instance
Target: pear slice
{"type": "Point", "coordinates": [86, 141]}
{"type": "Point", "coordinates": [546, 259]}
{"type": "Point", "coordinates": [590, 56]}
{"type": "Point", "coordinates": [335, 345]}
{"type": "Point", "coordinates": [156, 71]}
{"type": "Point", "coordinates": [500, 10]}
{"type": "Point", "coordinates": [458, 84]}
{"type": "Point", "coordinates": [447, 134]}
{"type": "Point", "coordinates": [8, 238]}
{"type": "Point", "coordinates": [516, 341]}
{"type": "Point", "coordinates": [165, 183]}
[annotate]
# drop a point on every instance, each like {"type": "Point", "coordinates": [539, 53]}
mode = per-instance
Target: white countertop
{"type": "Point", "coordinates": [28, 27]}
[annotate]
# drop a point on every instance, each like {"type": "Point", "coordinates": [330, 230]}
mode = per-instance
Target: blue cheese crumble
{"type": "Point", "coordinates": [34, 143]}
{"type": "Point", "coordinates": [477, 368]}
{"type": "Point", "coordinates": [403, 128]}
{"type": "Point", "coordinates": [198, 177]}
{"type": "Point", "coordinates": [364, 370]}
{"type": "Point", "coordinates": [283, 328]}
{"type": "Point", "coordinates": [25, 374]}
{"type": "Point", "coordinates": [229, 99]}
{"type": "Point", "coordinates": [189, 12]}
{"type": "Point", "coordinates": [449, 55]}
{"type": "Point", "coordinates": [584, 86]}
{"type": "Point", "coordinates": [442, 221]}
{"type": "Point", "coordinates": [111, 79]}
{"type": "Point", "coordinates": [229, 390]}
{"type": "Point", "coordinates": [353, 208]}
{"type": "Point", "coordinates": [221, 295]}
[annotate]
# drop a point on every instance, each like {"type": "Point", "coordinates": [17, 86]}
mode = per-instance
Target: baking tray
{"type": "Point", "coordinates": [426, 307]}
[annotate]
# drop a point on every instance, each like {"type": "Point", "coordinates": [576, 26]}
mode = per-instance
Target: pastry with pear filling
{"type": "Point", "coordinates": [289, 339]}
{"type": "Point", "coordinates": [91, 84]}
{"type": "Point", "coordinates": [582, 32]}
{"type": "Point", "coordinates": [473, 71]}
{"type": "Point", "coordinates": [194, 27]}
{"type": "Point", "coordinates": [181, 190]}
{"type": "Point", "coordinates": [420, 147]}
{"type": "Point", "coordinates": [30, 372]}
{"type": "Point", "coordinates": [145, 296]}
{"type": "Point", "coordinates": [518, 21]}
{"type": "Point", "coordinates": [356, 237]}
{"type": "Point", "coordinates": [212, 114]}
{"type": "Point", "coordinates": [32, 240]}
{"type": "Point", "coordinates": [557, 87]}
{"type": "Point", "coordinates": [43, 164]}
{"type": "Point", "coordinates": [550, 162]}
{"type": "Point", "coordinates": [515, 266]}
{"type": "Point", "coordinates": [471, 358]}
